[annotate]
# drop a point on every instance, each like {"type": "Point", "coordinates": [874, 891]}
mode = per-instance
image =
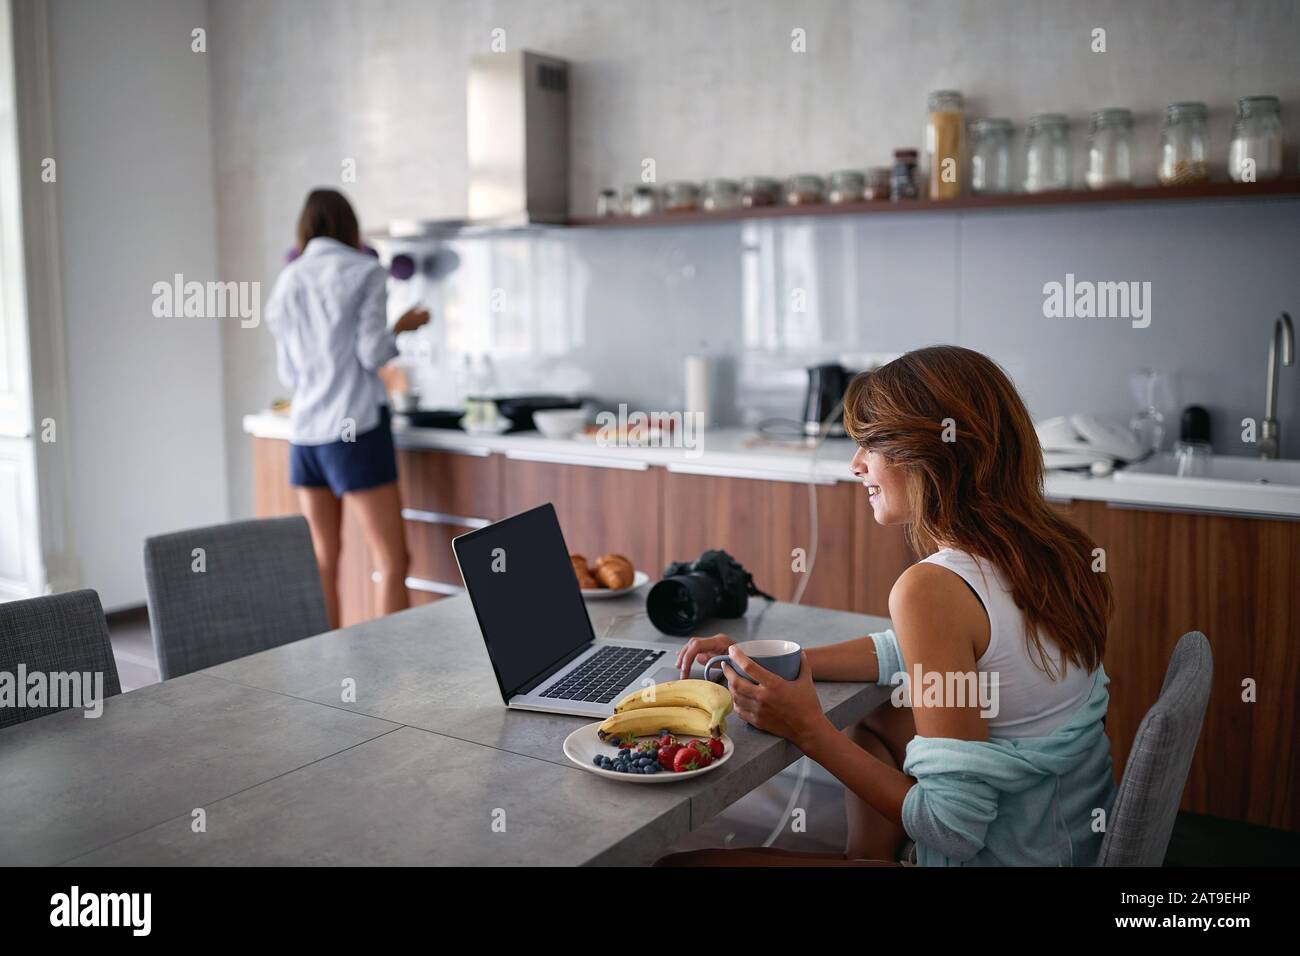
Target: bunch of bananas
{"type": "Point", "coordinates": [696, 708]}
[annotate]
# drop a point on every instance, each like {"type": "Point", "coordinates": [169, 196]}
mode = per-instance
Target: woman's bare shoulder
{"type": "Point", "coordinates": [929, 604]}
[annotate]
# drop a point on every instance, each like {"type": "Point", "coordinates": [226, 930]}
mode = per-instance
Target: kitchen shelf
{"type": "Point", "coordinates": [1275, 189]}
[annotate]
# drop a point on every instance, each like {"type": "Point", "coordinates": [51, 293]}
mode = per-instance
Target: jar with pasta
{"type": "Point", "coordinates": [1182, 145]}
{"type": "Point", "coordinates": [943, 143]}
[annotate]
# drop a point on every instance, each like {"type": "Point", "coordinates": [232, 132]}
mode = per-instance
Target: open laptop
{"type": "Point", "coordinates": [535, 624]}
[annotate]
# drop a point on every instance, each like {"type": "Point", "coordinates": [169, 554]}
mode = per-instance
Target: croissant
{"type": "Point", "coordinates": [614, 571]}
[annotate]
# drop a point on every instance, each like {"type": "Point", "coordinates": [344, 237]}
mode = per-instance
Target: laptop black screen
{"type": "Point", "coordinates": [525, 594]}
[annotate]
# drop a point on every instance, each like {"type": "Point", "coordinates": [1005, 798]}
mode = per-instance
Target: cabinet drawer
{"type": "Point", "coordinates": [448, 483]}
{"type": "Point", "coordinates": [429, 548]}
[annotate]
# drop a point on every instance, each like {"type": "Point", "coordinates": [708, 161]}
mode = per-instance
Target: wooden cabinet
{"type": "Point", "coordinates": [767, 527]}
{"type": "Point", "coordinates": [444, 494]}
{"type": "Point", "coordinates": [1235, 579]}
{"type": "Point", "coordinates": [601, 509]}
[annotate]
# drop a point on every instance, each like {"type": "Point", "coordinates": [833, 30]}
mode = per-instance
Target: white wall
{"type": "Point", "coordinates": [705, 88]}
{"type": "Point", "coordinates": [134, 150]}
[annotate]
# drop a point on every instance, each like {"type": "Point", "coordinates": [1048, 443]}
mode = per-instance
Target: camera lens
{"type": "Point", "coordinates": [677, 605]}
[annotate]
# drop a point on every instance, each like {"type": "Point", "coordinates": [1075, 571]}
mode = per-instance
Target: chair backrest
{"type": "Point", "coordinates": [230, 590]}
{"type": "Point", "coordinates": [1137, 833]}
{"type": "Point", "coordinates": [60, 634]}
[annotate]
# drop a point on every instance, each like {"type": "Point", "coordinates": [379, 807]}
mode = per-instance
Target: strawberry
{"type": "Point", "coordinates": [715, 748]}
{"type": "Point", "coordinates": [687, 758]}
{"type": "Point", "coordinates": [667, 754]}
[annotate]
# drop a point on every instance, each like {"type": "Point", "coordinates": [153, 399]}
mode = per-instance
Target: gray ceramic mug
{"type": "Point", "coordinates": [779, 657]}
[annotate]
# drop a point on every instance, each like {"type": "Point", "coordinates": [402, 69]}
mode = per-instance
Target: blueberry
{"type": "Point", "coordinates": [653, 768]}
{"type": "Point", "coordinates": [624, 752]}
{"type": "Point", "coordinates": [597, 760]}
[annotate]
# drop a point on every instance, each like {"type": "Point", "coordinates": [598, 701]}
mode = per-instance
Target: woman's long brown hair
{"type": "Point", "coordinates": [952, 419]}
{"type": "Point", "coordinates": [327, 212]}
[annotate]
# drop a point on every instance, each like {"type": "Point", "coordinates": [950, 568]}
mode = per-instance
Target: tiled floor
{"type": "Point", "coordinates": [767, 817]}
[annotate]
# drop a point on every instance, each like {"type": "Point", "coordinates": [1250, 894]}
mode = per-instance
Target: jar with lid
{"type": "Point", "coordinates": [1110, 162]}
{"type": "Point", "coordinates": [720, 194]}
{"type": "Point", "coordinates": [902, 178]}
{"type": "Point", "coordinates": [845, 185]}
{"type": "Point", "coordinates": [608, 203]}
{"type": "Point", "coordinates": [1183, 145]}
{"type": "Point", "coordinates": [990, 159]}
{"type": "Point", "coordinates": [681, 196]}
{"type": "Point", "coordinates": [1255, 152]}
{"type": "Point", "coordinates": [876, 183]}
{"type": "Point", "coordinates": [640, 200]}
{"type": "Point", "coordinates": [759, 191]}
{"type": "Point", "coordinates": [804, 189]}
{"type": "Point", "coordinates": [1047, 153]}
{"type": "Point", "coordinates": [943, 143]}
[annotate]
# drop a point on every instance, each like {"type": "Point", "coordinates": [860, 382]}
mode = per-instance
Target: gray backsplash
{"type": "Point", "coordinates": [614, 311]}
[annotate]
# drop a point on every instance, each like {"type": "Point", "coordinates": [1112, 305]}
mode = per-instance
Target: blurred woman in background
{"type": "Point", "coordinates": [329, 315]}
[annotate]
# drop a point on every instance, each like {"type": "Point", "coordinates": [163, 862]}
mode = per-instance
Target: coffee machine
{"type": "Point", "coordinates": [826, 386]}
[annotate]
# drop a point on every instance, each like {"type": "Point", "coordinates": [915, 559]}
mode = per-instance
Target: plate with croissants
{"type": "Point", "coordinates": [608, 576]}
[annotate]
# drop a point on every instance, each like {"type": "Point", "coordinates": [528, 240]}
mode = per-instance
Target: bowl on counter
{"type": "Point", "coordinates": [560, 422]}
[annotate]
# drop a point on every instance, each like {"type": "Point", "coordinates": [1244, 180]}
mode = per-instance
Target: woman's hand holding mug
{"type": "Point", "coordinates": [699, 650]}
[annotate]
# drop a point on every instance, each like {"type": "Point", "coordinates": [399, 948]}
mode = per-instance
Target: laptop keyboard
{"type": "Point", "coordinates": [603, 675]}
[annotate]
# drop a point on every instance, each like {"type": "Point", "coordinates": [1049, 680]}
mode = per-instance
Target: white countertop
{"type": "Point", "coordinates": [737, 453]}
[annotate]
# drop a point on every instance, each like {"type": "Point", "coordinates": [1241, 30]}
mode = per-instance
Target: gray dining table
{"type": "Point", "coordinates": [384, 743]}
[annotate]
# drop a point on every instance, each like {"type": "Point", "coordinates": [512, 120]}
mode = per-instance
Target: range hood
{"type": "Point", "coordinates": [517, 146]}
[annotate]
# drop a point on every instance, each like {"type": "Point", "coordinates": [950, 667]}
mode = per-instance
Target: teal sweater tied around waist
{"type": "Point", "coordinates": [1008, 801]}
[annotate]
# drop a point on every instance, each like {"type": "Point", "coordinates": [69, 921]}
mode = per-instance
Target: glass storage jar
{"type": "Point", "coordinates": [720, 194]}
{"type": "Point", "coordinates": [640, 200]}
{"type": "Point", "coordinates": [681, 196]}
{"type": "Point", "coordinates": [876, 185]}
{"type": "Point", "coordinates": [990, 158]}
{"type": "Point", "coordinates": [759, 191]}
{"type": "Point", "coordinates": [1110, 162]}
{"type": "Point", "coordinates": [608, 203]}
{"type": "Point", "coordinates": [1255, 152]}
{"type": "Point", "coordinates": [1047, 153]}
{"type": "Point", "coordinates": [804, 189]}
{"type": "Point", "coordinates": [902, 178]}
{"type": "Point", "coordinates": [1182, 145]}
{"type": "Point", "coordinates": [846, 185]}
{"type": "Point", "coordinates": [943, 143]}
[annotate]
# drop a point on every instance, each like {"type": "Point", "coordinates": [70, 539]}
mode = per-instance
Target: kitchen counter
{"type": "Point", "coordinates": [739, 453]}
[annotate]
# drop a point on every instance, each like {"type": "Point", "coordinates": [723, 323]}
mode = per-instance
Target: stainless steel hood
{"type": "Point", "coordinates": [517, 146]}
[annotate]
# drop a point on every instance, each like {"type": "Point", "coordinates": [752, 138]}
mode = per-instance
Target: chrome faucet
{"type": "Point", "coordinates": [1269, 430]}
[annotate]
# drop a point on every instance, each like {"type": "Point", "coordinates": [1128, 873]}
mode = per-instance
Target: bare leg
{"type": "Point", "coordinates": [324, 515]}
{"type": "Point", "coordinates": [884, 734]}
{"type": "Point", "coordinates": [380, 511]}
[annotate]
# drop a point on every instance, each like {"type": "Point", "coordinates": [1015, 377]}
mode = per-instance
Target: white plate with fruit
{"type": "Point", "coordinates": [667, 732]}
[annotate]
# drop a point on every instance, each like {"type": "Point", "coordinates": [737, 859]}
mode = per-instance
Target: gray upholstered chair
{"type": "Point", "coordinates": [253, 585]}
{"type": "Point", "coordinates": [57, 634]}
{"type": "Point", "coordinates": [1142, 819]}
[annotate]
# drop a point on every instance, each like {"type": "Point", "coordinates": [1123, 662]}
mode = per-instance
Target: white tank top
{"type": "Point", "coordinates": [1030, 703]}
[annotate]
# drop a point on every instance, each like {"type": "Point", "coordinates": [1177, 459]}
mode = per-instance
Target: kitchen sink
{"type": "Point", "coordinates": [1218, 468]}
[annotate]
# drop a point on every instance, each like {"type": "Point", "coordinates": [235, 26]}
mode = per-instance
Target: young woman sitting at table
{"type": "Point", "coordinates": [1007, 592]}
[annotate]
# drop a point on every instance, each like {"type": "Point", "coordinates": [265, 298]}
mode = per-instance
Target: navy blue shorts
{"type": "Point", "coordinates": [344, 466]}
